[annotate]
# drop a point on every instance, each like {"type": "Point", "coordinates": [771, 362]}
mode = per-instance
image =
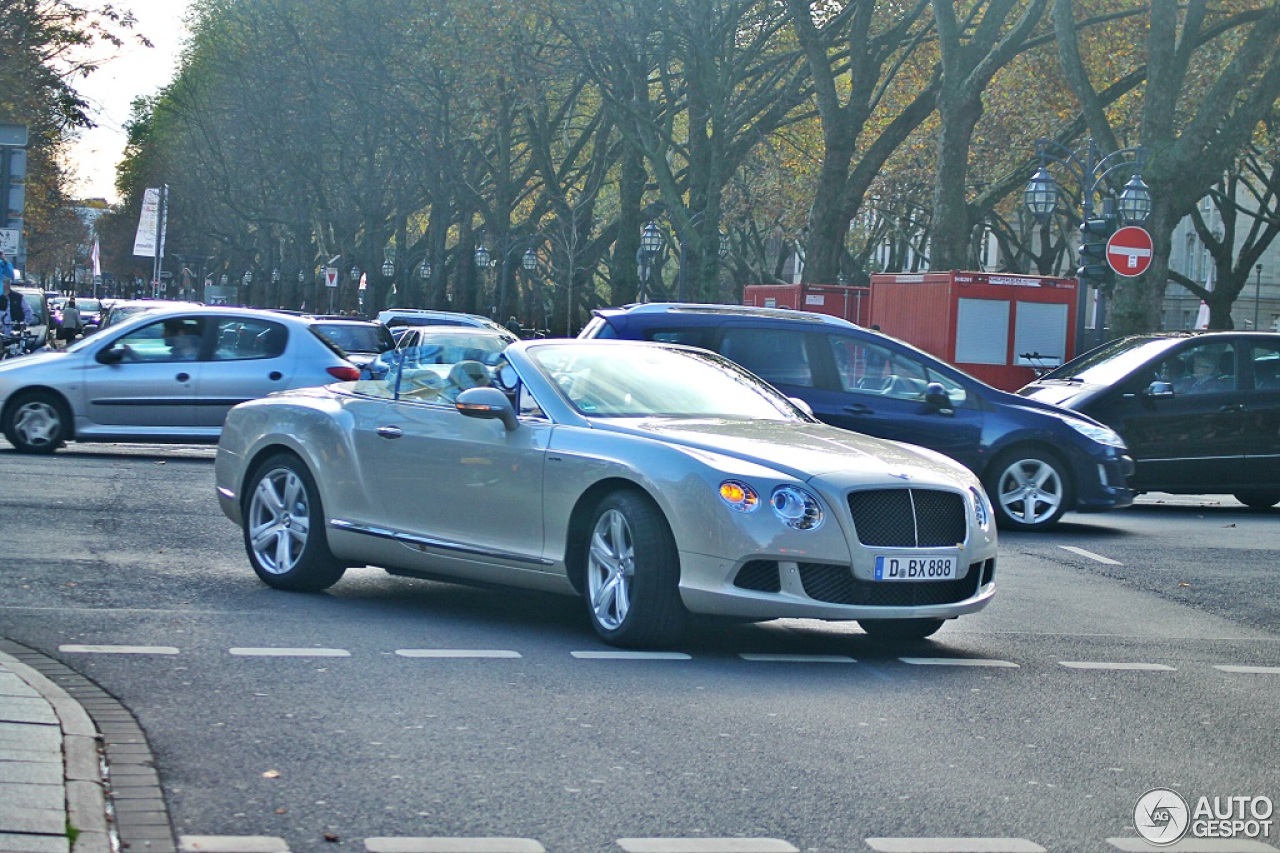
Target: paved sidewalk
{"type": "Point", "coordinates": [76, 773]}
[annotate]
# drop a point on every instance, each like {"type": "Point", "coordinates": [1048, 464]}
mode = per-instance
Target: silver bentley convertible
{"type": "Point", "coordinates": [654, 481]}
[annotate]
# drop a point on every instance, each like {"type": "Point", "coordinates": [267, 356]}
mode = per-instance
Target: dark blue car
{"type": "Point", "coordinates": [1036, 460]}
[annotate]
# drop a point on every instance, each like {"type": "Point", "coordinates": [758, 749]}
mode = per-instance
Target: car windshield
{"type": "Point", "coordinates": [637, 382]}
{"type": "Point", "coordinates": [350, 337]}
{"type": "Point", "coordinates": [1110, 363]}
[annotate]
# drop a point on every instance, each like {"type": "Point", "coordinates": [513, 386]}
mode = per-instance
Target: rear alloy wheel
{"type": "Point", "coordinates": [633, 574]}
{"type": "Point", "coordinates": [1259, 499]}
{"type": "Point", "coordinates": [1029, 489]}
{"type": "Point", "coordinates": [900, 630]}
{"type": "Point", "coordinates": [284, 528]}
{"type": "Point", "coordinates": [37, 422]}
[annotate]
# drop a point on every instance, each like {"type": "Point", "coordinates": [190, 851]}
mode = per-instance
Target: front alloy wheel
{"type": "Point", "coordinates": [633, 573]}
{"type": "Point", "coordinates": [284, 528]}
{"type": "Point", "coordinates": [1029, 490]}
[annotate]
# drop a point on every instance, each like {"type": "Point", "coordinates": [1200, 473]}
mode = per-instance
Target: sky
{"type": "Point", "coordinates": [128, 73]}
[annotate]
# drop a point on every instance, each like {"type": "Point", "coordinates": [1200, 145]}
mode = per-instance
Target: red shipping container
{"type": "Point", "coordinates": [997, 327]}
{"type": "Point", "coordinates": [838, 300]}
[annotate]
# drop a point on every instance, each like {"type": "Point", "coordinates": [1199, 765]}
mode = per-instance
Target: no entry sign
{"type": "Point", "coordinates": [1129, 251]}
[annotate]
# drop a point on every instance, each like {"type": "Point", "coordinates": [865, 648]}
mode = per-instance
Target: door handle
{"type": "Point", "coordinates": [183, 377]}
{"type": "Point", "coordinates": [1232, 407]}
{"type": "Point", "coordinates": [275, 376]}
{"type": "Point", "coordinates": [859, 409]}
{"type": "Point", "coordinates": [389, 431]}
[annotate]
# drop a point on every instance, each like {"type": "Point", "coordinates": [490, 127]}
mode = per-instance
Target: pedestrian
{"type": "Point", "coordinates": [6, 268]}
{"type": "Point", "coordinates": [71, 324]}
{"type": "Point", "coordinates": [13, 307]}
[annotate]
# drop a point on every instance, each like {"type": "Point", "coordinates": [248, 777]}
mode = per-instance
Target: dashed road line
{"type": "Point", "coordinates": [1098, 558]}
{"type": "Point", "coordinates": [1194, 845]}
{"type": "Point", "coordinates": [783, 658]}
{"type": "Point", "coordinates": [631, 655]}
{"type": "Point", "coordinates": [290, 653]}
{"type": "Point", "coordinates": [118, 650]}
{"type": "Point", "coordinates": [441, 844]}
{"type": "Point", "coordinates": [960, 662]}
{"type": "Point", "coordinates": [1117, 665]}
{"type": "Point", "coordinates": [954, 845]}
{"type": "Point", "coordinates": [706, 845]}
{"type": "Point", "coordinates": [457, 653]}
{"type": "Point", "coordinates": [1256, 670]}
{"type": "Point", "coordinates": [231, 844]}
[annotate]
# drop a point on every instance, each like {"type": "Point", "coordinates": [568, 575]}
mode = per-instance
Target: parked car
{"type": "Point", "coordinates": [90, 312]}
{"type": "Point", "coordinates": [393, 317]}
{"type": "Point", "coordinates": [360, 341]}
{"type": "Point", "coordinates": [139, 381]}
{"type": "Point", "coordinates": [1200, 411]}
{"type": "Point", "coordinates": [444, 345]}
{"type": "Point", "coordinates": [1036, 460]}
{"type": "Point", "coordinates": [122, 309]}
{"type": "Point", "coordinates": [40, 323]}
{"type": "Point", "coordinates": [653, 481]}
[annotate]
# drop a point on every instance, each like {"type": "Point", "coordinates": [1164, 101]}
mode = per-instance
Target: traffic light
{"type": "Point", "coordinates": [1093, 268]}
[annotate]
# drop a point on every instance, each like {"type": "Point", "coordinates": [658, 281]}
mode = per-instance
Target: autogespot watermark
{"type": "Point", "coordinates": [1163, 817]}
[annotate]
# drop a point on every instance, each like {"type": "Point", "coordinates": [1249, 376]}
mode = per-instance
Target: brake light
{"type": "Point", "coordinates": [344, 374]}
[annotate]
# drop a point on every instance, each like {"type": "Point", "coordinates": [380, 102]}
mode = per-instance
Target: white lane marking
{"type": "Point", "coordinates": [1102, 664]}
{"type": "Point", "coordinates": [1194, 845]}
{"type": "Point", "coordinates": [959, 662]}
{"type": "Point", "coordinates": [119, 650]}
{"type": "Point", "coordinates": [954, 845]}
{"type": "Point", "coordinates": [631, 655]}
{"type": "Point", "coordinates": [457, 653]}
{"type": "Point", "coordinates": [1098, 558]}
{"type": "Point", "coordinates": [1257, 670]}
{"type": "Point", "coordinates": [291, 653]}
{"type": "Point", "coordinates": [705, 845]}
{"type": "Point", "coordinates": [442, 844]}
{"type": "Point", "coordinates": [766, 658]}
{"type": "Point", "coordinates": [231, 844]}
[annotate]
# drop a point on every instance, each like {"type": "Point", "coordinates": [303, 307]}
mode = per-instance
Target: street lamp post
{"type": "Point", "coordinates": [1257, 294]}
{"type": "Point", "coordinates": [1093, 170]}
{"type": "Point", "coordinates": [651, 242]}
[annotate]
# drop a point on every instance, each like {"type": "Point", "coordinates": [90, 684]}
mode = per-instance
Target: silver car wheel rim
{"type": "Point", "coordinates": [279, 519]}
{"type": "Point", "coordinates": [1030, 491]}
{"type": "Point", "coordinates": [37, 424]}
{"type": "Point", "coordinates": [610, 570]}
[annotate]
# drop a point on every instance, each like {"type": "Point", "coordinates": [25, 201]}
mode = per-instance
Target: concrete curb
{"type": "Point", "coordinates": [106, 759]}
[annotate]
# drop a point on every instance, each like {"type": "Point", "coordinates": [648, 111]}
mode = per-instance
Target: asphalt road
{"type": "Point", "coordinates": [1124, 652]}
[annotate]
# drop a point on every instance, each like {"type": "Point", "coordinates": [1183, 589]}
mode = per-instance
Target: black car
{"type": "Point", "coordinates": [1036, 460]}
{"type": "Point", "coordinates": [1200, 411]}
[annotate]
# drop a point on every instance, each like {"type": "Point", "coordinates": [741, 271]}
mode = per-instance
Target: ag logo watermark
{"type": "Point", "coordinates": [1163, 817]}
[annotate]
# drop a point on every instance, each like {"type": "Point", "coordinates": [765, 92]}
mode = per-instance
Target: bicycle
{"type": "Point", "coordinates": [18, 341]}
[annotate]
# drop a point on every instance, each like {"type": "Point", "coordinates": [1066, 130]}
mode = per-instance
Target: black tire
{"type": "Point", "coordinates": [1029, 488]}
{"type": "Point", "coordinates": [37, 422]}
{"type": "Point", "coordinates": [284, 533]}
{"type": "Point", "coordinates": [1258, 500]}
{"type": "Point", "coordinates": [900, 630]}
{"type": "Point", "coordinates": [632, 574]}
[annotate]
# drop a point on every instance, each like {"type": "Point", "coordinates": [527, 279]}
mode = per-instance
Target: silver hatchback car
{"type": "Point", "coordinates": [168, 375]}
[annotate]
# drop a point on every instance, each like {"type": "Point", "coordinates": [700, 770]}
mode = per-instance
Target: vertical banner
{"type": "Point", "coordinates": [144, 241]}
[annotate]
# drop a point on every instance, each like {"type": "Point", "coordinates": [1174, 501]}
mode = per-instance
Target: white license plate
{"type": "Point", "coordinates": [921, 568]}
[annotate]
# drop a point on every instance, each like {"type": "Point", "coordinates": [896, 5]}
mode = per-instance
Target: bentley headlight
{"type": "Point", "coordinates": [1097, 432]}
{"type": "Point", "coordinates": [980, 510]}
{"type": "Point", "coordinates": [796, 508]}
{"type": "Point", "coordinates": [739, 495]}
